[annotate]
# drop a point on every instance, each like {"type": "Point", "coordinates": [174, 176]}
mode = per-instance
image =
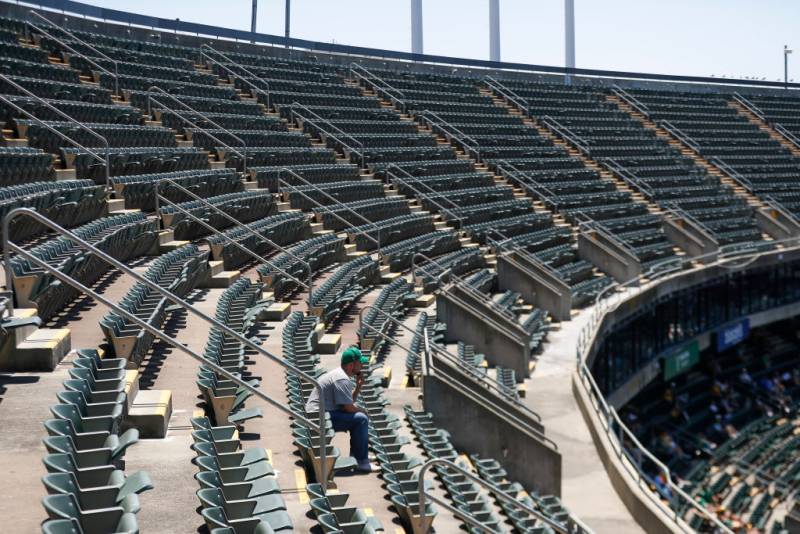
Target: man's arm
{"type": "Point", "coordinates": [352, 408]}
{"type": "Point", "coordinates": [359, 383]}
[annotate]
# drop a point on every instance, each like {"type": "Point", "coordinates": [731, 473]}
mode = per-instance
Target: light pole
{"type": "Point", "coordinates": [786, 52]}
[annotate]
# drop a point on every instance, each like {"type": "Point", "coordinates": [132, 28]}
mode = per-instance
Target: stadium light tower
{"type": "Point", "coordinates": [416, 26]}
{"type": "Point", "coordinates": [494, 30]}
{"type": "Point", "coordinates": [786, 52]}
{"type": "Point", "coordinates": [569, 38]}
{"type": "Point", "coordinates": [287, 19]}
{"type": "Point", "coordinates": [253, 17]}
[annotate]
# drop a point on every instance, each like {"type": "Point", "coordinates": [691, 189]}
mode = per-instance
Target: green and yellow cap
{"type": "Point", "coordinates": [354, 354]}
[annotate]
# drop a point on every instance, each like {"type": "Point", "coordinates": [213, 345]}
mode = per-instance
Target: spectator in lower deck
{"type": "Point", "coordinates": [340, 393]}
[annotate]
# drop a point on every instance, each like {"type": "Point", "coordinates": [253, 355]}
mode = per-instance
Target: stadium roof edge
{"type": "Point", "coordinates": [114, 15]}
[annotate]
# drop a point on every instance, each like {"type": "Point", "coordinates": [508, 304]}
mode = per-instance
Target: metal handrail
{"type": "Point", "coordinates": [601, 229]}
{"type": "Point", "coordinates": [81, 41]}
{"type": "Point", "coordinates": [480, 378]}
{"type": "Point", "coordinates": [529, 182]}
{"type": "Point", "coordinates": [787, 134]}
{"type": "Point", "coordinates": [677, 211]}
{"type": "Point", "coordinates": [509, 94]}
{"type": "Point", "coordinates": [318, 117]}
{"type": "Point", "coordinates": [603, 306]}
{"type": "Point", "coordinates": [631, 100]}
{"type": "Point", "coordinates": [237, 224]}
{"type": "Point", "coordinates": [566, 133]}
{"type": "Point", "coordinates": [9, 246]}
{"type": "Point", "coordinates": [732, 173]}
{"type": "Point", "coordinates": [106, 161]}
{"type": "Point", "coordinates": [459, 282]}
{"type": "Point", "coordinates": [114, 74]}
{"type": "Point", "coordinates": [680, 135]}
{"type": "Point", "coordinates": [628, 176]}
{"type": "Point", "coordinates": [752, 108]}
{"type": "Point", "coordinates": [775, 204]}
{"type": "Point", "coordinates": [611, 417]}
{"type": "Point", "coordinates": [386, 87]}
{"type": "Point", "coordinates": [459, 136]}
{"type": "Point", "coordinates": [347, 208]}
{"type": "Point", "coordinates": [235, 75]}
{"type": "Point", "coordinates": [497, 492]}
{"type": "Point", "coordinates": [151, 99]}
{"type": "Point", "coordinates": [389, 171]}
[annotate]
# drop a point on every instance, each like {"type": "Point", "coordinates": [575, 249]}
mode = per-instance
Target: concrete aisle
{"type": "Point", "coordinates": [585, 487]}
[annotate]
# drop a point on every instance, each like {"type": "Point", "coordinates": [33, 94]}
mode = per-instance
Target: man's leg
{"type": "Point", "coordinates": [357, 424]}
{"type": "Point", "coordinates": [359, 438]}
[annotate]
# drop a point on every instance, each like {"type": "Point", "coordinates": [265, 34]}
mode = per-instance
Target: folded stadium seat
{"type": "Point", "coordinates": [100, 521]}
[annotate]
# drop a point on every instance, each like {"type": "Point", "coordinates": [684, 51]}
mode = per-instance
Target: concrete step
{"type": "Point", "coordinates": [40, 350]}
{"type": "Point", "coordinates": [276, 312]}
{"type": "Point", "coordinates": [116, 205]}
{"type": "Point", "coordinates": [150, 413]}
{"type": "Point", "coordinates": [222, 279]}
{"type": "Point", "coordinates": [65, 174]}
{"type": "Point", "coordinates": [329, 343]}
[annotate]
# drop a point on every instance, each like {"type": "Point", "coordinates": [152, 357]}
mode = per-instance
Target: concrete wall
{"type": "Point", "coordinates": [777, 223]}
{"type": "Point", "coordinates": [503, 345]}
{"type": "Point", "coordinates": [608, 256]}
{"type": "Point", "coordinates": [536, 285]}
{"type": "Point", "coordinates": [652, 519]}
{"type": "Point", "coordinates": [693, 243]}
{"type": "Point", "coordinates": [480, 430]}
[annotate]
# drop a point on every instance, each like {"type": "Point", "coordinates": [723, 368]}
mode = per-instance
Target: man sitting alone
{"type": "Point", "coordinates": [340, 396]}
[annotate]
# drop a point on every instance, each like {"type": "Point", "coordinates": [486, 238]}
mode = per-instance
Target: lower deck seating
{"type": "Point", "coordinates": [283, 229]}
{"type": "Point", "coordinates": [68, 203]}
{"type": "Point", "coordinates": [87, 488]}
{"type": "Point", "coordinates": [139, 191]}
{"type": "Point", "coordinates": [390, 304]}
{"type": "Point", "coordinates": [242, 206]}
{"type": "Point", "coordinates": [20, 165]}
{"type": "Point", "coordinates": [130, 161]}
{"type": "Point", "coordinates": [123, 237]}
{"type": "Point", "coordinates": [343, 287]}
{"type": "Point", "coordinates": [319, 252]}
{"type": "Point", "coordinates": [178, 272]}
{"type": "Point", "coordinates": [399, 255]}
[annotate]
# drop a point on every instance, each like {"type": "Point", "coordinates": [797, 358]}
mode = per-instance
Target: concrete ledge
{"type": "Point", "coordinates": [276, 312]}
{"type": "Point", "coordinates": [223, 279]}
{"type": "Point", "coordinates": [329, 344]}
{"type": "Point", "coordinates": [40, 351]}
{"type": "Point", "coordinates": [777, 223]}
{"type": "Point", "coordinates": [131, 386]}
{"type": "Point", "coordinates": [608, 255]}
{"type": "Point", "coordinates": [150, 413]}
{"type": "Point", "coordinates": [535, 283]}
{"type": "Point", "coordinates": [422, 301]}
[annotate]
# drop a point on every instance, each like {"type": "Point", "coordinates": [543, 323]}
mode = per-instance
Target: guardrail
{"type": "Point", "coordinates": [379, 85]}
{"type": "Point", "coordinates": [627, 176]}
{"type": "Point", "coordinates": [114, 74]}
{"type": "Point", "coordinates": [452, 133]}
{"type": "Point", "coordinates": [105, 161]}
{"type": "Point", "coordinates": [676, 211]}
{"type": "Point", "coordinates": [509, 94]}
{"type": "Point", "coordinates": [9, 247]}
{"type": "Point", "coordinates": [494, 490]}
{"type": "Point", "coordinates": [318, 118]}
{"type": "Point", "coordinates": [327, 195]}
{"type": "Point", "coordinates": [237, 224]}
{"type": "Point", "coordinates": [787, 134]}
{"type": "Point", "coordinates": [164, 108]}
{"type": "Point", "coordinates": [529, 183]}
{"type": "Point", "coordinates": [733, 174]}
{"type": "Point", "coordinates": [389, 171]}
{"type": "Point", "coordinates": [752, 108]}
{"type": "Point", "coordinates": [570, 136]}
{"type": "Point", "coordinates": [584, 221]}
{"type": "Point", "coordinates": [430, 347]}
{"type": "Point", "coordinates": [248, 82]}
{"type": "Point", "coordinates": [680, 135]}
{"type": "Point", "coordinates": [631, 100]}
{"type": "Point", "coordinates": [608, 300]}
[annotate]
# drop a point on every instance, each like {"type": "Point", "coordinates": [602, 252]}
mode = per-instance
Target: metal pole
{"type": "Point", "coordinates": [786, 53]}
{"type": "Point", "coordinates": [569, 38]}
{"type": "Point", "coordinates": [287, 20]}
{"type": "Point", "coordinates": [253, 18]}
{"type": "Point", "coordinates": [494, 30]}
{"type": "Point", "coordinates": [416, 26]}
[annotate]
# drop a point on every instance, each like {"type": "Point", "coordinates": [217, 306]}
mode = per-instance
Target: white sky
{"type": "Point", "coordinates": [736, 38]}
